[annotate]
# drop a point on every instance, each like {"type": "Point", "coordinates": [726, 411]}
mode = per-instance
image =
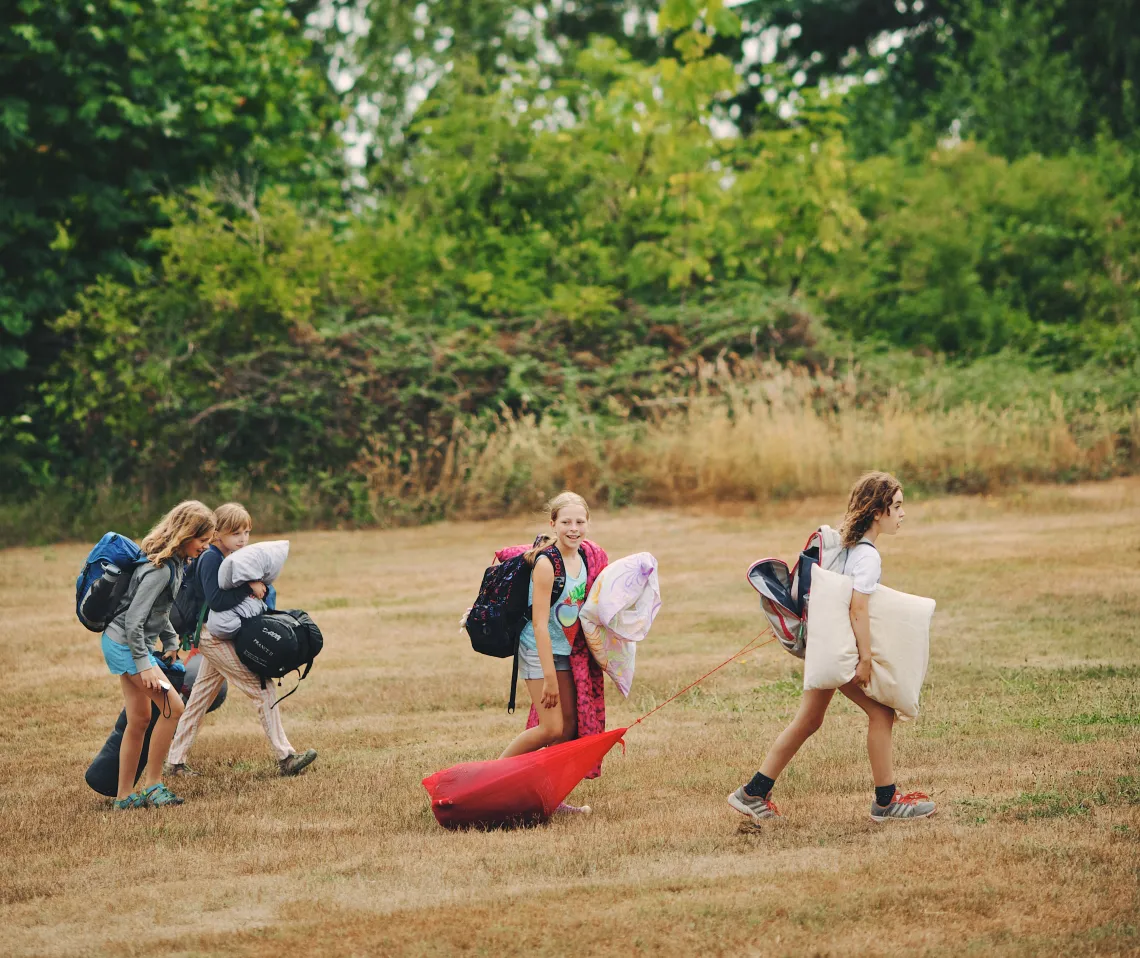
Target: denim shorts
{"type": "Point", "coordinates": [119, 659]}
{"type": "Point", "coordinates": [530, 666]}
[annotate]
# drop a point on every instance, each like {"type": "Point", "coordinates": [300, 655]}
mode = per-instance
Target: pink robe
{"type": "Point", "coordinates": [586, 672]}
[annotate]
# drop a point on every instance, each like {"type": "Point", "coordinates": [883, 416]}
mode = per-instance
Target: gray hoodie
{"type": "Point", "coordinates": [146, 615]}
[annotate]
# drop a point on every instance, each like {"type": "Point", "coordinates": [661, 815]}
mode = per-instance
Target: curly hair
{"type": "Point", "coordinates": [870, 496]}
{"type": "Point", "coordinates": [187, 520]}
{"type": "Point", "coordinates": [556, 505]}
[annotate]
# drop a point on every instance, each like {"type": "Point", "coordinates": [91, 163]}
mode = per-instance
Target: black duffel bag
{"type": "Point", "coordinates": [276, 643]}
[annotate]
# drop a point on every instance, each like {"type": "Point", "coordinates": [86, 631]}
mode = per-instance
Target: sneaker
{"type": "Point", "coordinates": [181, 769]}
{"type": "Point", "coordinates": [911, 805]}
{"type": "Point", "coordinates": [295, 764]}
{"type": "Point", "coordinates": [758, 809]}
{"type": "Point", "coordinates": [159, 796]}
{"type": "Point", "coordinates": [565, 808]}
{"type": "Point", "coordinates": [134, 800]}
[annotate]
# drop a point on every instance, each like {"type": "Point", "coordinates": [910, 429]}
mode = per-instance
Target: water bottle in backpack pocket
{"type": "Point", "coordinates": [104, 579]}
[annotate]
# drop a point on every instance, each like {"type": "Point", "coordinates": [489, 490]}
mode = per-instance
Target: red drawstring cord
{"type": "Point", "coordinates": [750, 647]}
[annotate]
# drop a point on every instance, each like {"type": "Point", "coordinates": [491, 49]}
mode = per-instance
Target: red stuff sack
{"type": "Point", "coordinates": [518, 791]}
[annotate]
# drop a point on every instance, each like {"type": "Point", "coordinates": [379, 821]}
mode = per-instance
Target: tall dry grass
{"type": "Point", "coordinates": [784, 433]}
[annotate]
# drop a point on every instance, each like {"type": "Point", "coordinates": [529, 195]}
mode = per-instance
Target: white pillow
{"type": "Point", "coordinates": [831, 655]}
{"type": "Point", "coordinates": [900, 648]}
{"type": "Point", "coordinates": [262, 560]}
{"type": "Point", "coordinates": [900, 641]}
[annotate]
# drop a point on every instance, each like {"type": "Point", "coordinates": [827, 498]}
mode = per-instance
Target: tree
{"type": "Point", "coordinates": [106, 106]}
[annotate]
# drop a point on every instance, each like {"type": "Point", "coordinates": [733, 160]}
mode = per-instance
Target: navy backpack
{"type": "Point", "coordinates": [495, 622]}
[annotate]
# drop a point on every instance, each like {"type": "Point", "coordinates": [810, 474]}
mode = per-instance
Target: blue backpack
{"type": "Point", "coordinates": [104, 579]}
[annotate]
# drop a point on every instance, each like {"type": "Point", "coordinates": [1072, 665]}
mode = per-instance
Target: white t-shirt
{"type": "Point", "coordinates": [865, 566]}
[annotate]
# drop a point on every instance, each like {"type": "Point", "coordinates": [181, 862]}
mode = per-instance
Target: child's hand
{"type": "Point", "coordinates": [549, 693]}
{"type": "Point", "coordinates": [171, 656]}
{"type": "Point", "coordinates": [151, 678]}
{"type": "Point", "coordinates": [258, 589]}
{"type": "Point", "coordinates": [863, 673]}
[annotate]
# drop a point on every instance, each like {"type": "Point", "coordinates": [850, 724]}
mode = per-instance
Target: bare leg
{"type": "Point", "coordinates": [549, 728]}
{"type": "Point", "coordinates": [568, 702]}
{"type": "Point", "coordinates": [169, 712]}
{"type": "Point", "coordinates": [880, 726]}
{"type": "Point", "coordinates": [137, 705]}
{"type": "Point", "coordinates": [809, 718]}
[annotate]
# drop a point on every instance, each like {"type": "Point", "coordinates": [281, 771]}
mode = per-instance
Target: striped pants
{"type": "Point", "coordinates": [220, 661]}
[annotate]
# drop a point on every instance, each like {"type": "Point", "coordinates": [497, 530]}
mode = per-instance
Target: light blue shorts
{"type": "Point", "coordinates": [530, 666]}
{"type": "Point", "coordinates": [119, 659]}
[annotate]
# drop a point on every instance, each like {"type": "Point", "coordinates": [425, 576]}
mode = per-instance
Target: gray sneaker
{"type": "Point", "coordinates": [758, 809]}
{"type": "Point", "coordinates": [295, 764]}
{"type": "Point", "coordinates": [911, 805]}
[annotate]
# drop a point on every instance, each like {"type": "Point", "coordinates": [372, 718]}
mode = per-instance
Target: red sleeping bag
{"type": "Point", "coordinates": [522, 790]}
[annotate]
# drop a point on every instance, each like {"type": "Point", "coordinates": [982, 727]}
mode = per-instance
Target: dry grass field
{"type": "Point", "coordinates": [1029, 740]}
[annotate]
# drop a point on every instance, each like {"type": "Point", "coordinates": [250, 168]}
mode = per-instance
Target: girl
{"type": "Point", "coordinates": [875, 508]}
{"type": "Point", "coordinates": [545, 647]}
{"type": "Point", "coordinates": [220, 661]}
{"type": "Point", "coordinates": [183, 533]}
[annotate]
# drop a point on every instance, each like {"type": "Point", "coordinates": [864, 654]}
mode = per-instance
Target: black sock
{"type": "Point", "coordinates": [760, 786]}
{"type": "Point", "coordinates": [884, 794]}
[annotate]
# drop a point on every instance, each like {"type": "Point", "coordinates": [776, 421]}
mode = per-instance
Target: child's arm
{"type": "Point", "coordinates": [217, 598]}
{"type": "Point", "coordinates": [861, 626]}
{"type": "Point", "coordinates": [149, 588]}
{"type": "Point", "coordinates": [543, 578]}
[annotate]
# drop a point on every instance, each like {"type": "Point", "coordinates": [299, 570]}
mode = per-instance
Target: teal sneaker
{"type": "Point", "coordinates": [134, 800]}
{"type": "Point", "coordinates": [159, 796]}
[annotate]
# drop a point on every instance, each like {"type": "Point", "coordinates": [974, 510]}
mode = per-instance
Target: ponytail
{"type": "Point", "coordinates": [541, 544]}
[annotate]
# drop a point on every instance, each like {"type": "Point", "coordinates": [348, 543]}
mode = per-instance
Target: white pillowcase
{"type": "Point", "coordinates": [900, 641]}
{"type": "Point", "coordinates": [262, 560]}
{"type": "Point", "coordinates": [831, 655]}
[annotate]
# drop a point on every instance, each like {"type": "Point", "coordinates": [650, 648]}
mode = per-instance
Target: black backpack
{"type": "Point", "coordinates": [187, 608]}
{"type": "Point", "coordinates": [501, 610]}
{"type": "Point", "coordinates": [274, 644]}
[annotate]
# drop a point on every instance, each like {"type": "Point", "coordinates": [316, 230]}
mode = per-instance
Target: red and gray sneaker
{"type": "Point", "coordinates": [756, 808]}
{"type": "Point", "coordinates": [911, 805]}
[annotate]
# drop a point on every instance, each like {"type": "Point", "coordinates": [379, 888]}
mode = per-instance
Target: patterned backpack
{"type": "Point", "coordinates": [785, 593]}
{"type": "Point", "coordinates": [501, 610]}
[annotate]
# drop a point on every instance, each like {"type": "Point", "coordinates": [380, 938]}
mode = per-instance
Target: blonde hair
{"type": "Point", "coordinates": [187, 520]}
{"type": "Point", "coordinates": [870, 496]}
{"type": "Point", "coordinates": [556, 505]}
{"type": "Point", "coordinates": [232, 517]}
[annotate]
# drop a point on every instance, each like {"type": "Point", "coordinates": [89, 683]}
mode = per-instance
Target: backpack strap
{"type": "Point", "coordinates": [559, 564]}
{"type": "Point", "coordinates": [514, 682]}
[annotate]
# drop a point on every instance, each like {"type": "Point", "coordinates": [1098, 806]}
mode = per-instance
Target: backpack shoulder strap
{"type": "Point", "coordinates": [556, 560]}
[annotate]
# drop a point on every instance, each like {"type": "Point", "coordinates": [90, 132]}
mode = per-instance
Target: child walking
{"type": "Point", "coordinates": [875, 508]}
{"type": "Point", "coordinates": [544, 646]}
{"type": "Point", "coordinates": [219, 658]}
{"type": "Point", "coordinates": [183, 533]}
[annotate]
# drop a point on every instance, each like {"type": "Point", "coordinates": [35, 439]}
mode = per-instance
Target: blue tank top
{"type": "Point", "coordinates": [563, 612]}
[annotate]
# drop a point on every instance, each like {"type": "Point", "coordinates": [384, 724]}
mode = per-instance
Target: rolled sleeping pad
{"type": "Point", "coordinates": [103, 773]}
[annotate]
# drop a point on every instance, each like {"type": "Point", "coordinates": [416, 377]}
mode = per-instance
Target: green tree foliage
{"type": "Point", "coordinates": [107, 105]}
{"type": "Point", "coordinates": [579, 238]}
